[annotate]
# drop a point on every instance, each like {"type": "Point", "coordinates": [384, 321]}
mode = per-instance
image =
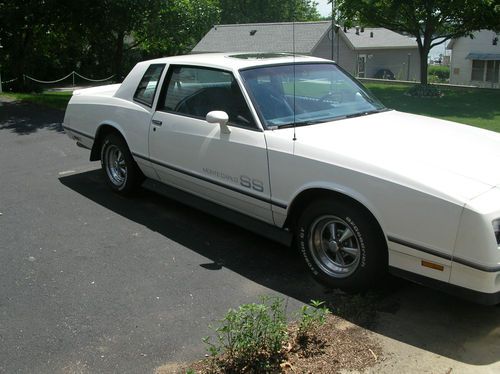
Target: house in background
{"type": "Point", "coordinates": [363, 52]}
{"type": "Point", "coordinates": [476, 61]}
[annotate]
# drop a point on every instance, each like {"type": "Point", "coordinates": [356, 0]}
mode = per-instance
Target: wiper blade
{"type": "Point", "coordinates": [360, 114]}
{"type": "Point", "coordinates": [296, 124]}
{"type": "Point", "coordinates": [308, 123]}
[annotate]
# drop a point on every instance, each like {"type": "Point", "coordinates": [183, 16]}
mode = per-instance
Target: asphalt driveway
{"type": "Point", "coordinates": [93, 282]}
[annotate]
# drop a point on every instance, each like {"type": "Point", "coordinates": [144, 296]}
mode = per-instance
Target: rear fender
{"type": "Point", "coordinates": [102, 131]}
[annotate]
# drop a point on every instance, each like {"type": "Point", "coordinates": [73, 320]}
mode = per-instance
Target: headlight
{"type": "Point", "coordinates": [496, 228]}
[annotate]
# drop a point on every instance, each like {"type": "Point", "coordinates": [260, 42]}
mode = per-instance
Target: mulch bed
{"type": "Point", "coordinates": [336, 346]}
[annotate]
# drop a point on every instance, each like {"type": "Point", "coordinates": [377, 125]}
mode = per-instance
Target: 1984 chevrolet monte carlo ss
{"type": "Point", "coordinates": [294, 148]}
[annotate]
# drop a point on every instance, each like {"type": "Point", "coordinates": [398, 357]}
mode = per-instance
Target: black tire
{"type": "Point", "coordinates": [120, 170]}
{"type": "Point", "coordinates": [354, 264]}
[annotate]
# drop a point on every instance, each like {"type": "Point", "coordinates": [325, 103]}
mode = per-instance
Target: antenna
{"type": "Point", "coordinates": [293, 48]}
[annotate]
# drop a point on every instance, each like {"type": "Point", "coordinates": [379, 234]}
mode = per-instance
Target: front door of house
{"type": "Point", "coordinates": [361, 66]}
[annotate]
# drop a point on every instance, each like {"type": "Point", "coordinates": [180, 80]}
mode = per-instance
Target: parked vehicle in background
{"type": "Point", "coordinates": [384, 74]}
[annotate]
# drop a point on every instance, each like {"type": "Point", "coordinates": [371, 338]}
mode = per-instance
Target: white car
{"type": "Point", "coordinates": [294, 148]}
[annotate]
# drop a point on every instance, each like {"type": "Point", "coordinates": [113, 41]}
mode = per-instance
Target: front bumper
{"type": "Point", "coordinates": [480, 297]}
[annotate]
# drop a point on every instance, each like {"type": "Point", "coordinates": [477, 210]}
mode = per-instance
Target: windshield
{"type": "Point", "coordinates": [304, 94]}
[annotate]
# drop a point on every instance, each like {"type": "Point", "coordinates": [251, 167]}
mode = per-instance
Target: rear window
{"type": "Point", "coordinates": [146, 90]}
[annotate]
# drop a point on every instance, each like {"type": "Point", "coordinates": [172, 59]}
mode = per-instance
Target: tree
{"type": "Point", "coordinates": [108, 27]}
{"type": "Point", "coordinates": [251, 11]}
{"type": "Point", "coordinates": [50, 38]}
{"type": "Point", "coordinates": [174, 27]}
{"type": "Point", "coordinates": [431, 22]}
{"type": "Point", "coordinates": [26, 29]}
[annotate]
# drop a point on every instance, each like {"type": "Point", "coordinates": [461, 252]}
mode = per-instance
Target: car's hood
{"type": "Point", "coordinates": [437, 156]}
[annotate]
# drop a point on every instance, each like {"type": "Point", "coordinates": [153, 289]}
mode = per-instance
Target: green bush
{"type": "Point", "coordinates": [250, 337]}
{"type": "Point", "coordinates": [424, 90]}
{"type": "Point", "coordinates": [438, 73]}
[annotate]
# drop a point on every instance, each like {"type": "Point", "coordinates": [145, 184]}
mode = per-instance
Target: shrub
{"type": "Point", "coordinates": [424, 90]}
{"type": "Point", "coordinates": [438, 73]}
{"type": "Point", "coordinates": [250, 338]}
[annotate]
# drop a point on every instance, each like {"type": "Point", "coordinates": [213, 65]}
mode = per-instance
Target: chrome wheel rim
{"type": "Point", "coordinates": [116, 167]}
{"type": "Point", "coordinates": [334, 246]}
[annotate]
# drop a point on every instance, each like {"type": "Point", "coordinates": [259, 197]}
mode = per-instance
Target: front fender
{"type": "Point", "coordinates": [342, 190]}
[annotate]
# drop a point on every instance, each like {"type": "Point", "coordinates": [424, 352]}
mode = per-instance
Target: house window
{"type": "Point", "coordinates": [485, 70]}
{"type": "Point", "coordinates": [492, 71]}
{"type": "Point", "coordinates": [477, 70]}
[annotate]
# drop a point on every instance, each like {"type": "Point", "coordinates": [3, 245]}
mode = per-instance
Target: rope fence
{"type": "Point", "coordinates": [95, 80]}
{"type": "Point", "coordinates": [72, 74]}
{"type": "Point", "coordinates": [48, 82]}
{"type": "Point", "coordinates": [9, 81]}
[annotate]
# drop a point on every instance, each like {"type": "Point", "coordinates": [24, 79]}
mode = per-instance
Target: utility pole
{"type": "Point", "coordinates": [333, 24]}
{"type": "Point", "coordinates": [408, 67]}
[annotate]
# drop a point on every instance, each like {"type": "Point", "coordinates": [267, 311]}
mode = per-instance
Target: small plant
{"type": "Point", "coordinates": [250, 338]}
{"type": "Point", "coordinates": [311, 317]}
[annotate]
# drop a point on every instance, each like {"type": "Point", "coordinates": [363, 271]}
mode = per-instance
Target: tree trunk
{"type": "Point", "coordinates": [423, 65]}
{"type": "Point", "coordinates": [20, 56]}
{"type": "Point", "coordinates": [424, 47]}
{"type": "Point", "coordinates": [118, 59]}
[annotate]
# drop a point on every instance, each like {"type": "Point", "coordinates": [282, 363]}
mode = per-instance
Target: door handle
{"type": "Point", "coordinates": [157, 122]}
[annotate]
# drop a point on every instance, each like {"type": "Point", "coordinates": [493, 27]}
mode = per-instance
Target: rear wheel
{"type": "Point", "coordinates": [121, 172]}
{"type": "Point", "coordinates": [342, 245]}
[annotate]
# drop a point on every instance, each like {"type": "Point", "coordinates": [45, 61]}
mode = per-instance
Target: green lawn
{"type": "Point", "coordinates": [57, 100]}
{"type": "Point", "coordinates": [477, 107]}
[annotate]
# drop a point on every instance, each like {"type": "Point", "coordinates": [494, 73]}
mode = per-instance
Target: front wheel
{"type": "Point", "coordinates": [342, 245]}
{"type": "Point", "coordinates": [121, 172]}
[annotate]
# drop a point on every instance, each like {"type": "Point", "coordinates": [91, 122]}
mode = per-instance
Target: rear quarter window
{"type": "Point", "coordinates": [146, 90]}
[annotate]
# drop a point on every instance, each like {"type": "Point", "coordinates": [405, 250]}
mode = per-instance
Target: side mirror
{"type": "Point", "coordinates": [220, 117]}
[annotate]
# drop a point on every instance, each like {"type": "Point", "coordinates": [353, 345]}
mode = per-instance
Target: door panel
{"type": "Point", "coordinates": [230, 169]}
{"type": "Point", "coordinates": [189, 153]}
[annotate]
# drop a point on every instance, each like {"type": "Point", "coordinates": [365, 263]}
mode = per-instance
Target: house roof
{"type": "Point", "coordinates": [263, 37]}
{"type": "Point", "coordinates": [279, 37]}
{"type": "Point", "coordinates": [378, 38]}
{"type": "Point", "coordinates": [476, 35]}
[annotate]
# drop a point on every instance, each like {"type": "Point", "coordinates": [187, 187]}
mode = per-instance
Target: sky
{"type": "Point", "coordinates": [324, 8]}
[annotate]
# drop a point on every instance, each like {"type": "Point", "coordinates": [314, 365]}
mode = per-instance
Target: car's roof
{"type": "Point", "coordinates": [237, 60]}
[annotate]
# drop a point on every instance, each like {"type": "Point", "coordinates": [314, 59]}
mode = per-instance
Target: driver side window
{"type": "Point", "coordinates": [195, 91]}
